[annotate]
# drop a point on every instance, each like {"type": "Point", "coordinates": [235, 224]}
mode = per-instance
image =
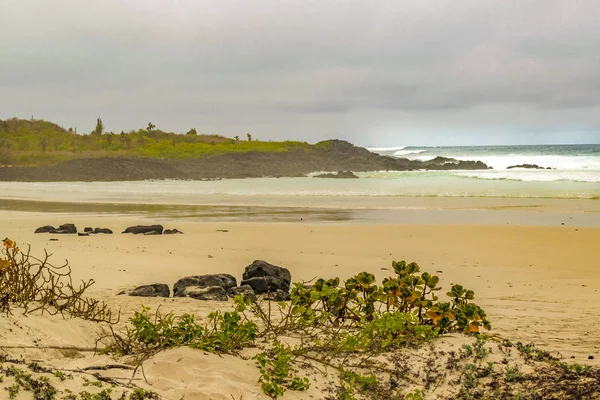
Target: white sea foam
{"type": "Point", "coordinates": [385, 149]}
{"type": "Point", "coordinates": [404, 153]}
{"type": "Point", "coordinates": [534, 175]}
{"type": "Point", "coordinates": [565, 163]}
{"type": "Point", "coordinates": [502, 162]}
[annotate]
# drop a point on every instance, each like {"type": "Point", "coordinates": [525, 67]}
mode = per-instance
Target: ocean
{"type": "Point", "coordinates": [574, 174]}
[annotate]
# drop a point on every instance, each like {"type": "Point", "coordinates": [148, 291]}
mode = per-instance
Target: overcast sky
{"type": "Point", "coordinates": [374, 72]}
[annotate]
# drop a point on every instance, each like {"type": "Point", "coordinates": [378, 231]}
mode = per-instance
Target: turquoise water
{"type": "Point", "coordinates": [575, 174]}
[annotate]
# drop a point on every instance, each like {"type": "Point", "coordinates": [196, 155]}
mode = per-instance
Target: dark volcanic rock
{"type": "Point", "coordinates": [88, 229]}
{"type": "Point", "coordinates": [44, 229]}
{"type": "Point", "coordinates": [264, 277]}
{"type": "Point", "coordinates": [215, 293]}
{"type": "Point", "coordinates": [103, 230]}
{"type": "Point", "coordinates": [338, 175]}
{"type": "Point", "coordinates": [145, 229]}
{"type": "Point", "coordinates": [171, 231]}
{"type": "Point", "coordinates": [83, 234]}
{"type": "Point", "coordinates": [154, 290]}
{"type": "Point", "coordinates": [528, 166]}
{"type": "Point", "coordinates": [278, 295]}
{"type": "Point", "coordinates": [445, 163]}
{"type": "Point", "coordinates": [225, 281]}
{"type": "Point", "coordinates": [246, 290]}
{"type": "Point", "coordinates": [65, 228]}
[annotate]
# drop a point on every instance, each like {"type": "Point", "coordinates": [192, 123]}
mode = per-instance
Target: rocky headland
{"type": "Point", "coordinates": [338, 156]}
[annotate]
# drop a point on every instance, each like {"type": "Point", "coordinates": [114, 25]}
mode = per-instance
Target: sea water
{"type": "Point", "coordinates": [574, 174]}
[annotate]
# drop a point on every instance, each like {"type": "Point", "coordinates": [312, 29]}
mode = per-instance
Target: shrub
{"type": "Point", "coordinates": [360, 300]}
{"type": "Point", "coordinates": [34, 284]}
{"type": "Point", "coordinates": [147, 334]}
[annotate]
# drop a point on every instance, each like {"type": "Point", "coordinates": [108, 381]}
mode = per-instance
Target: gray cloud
{"type": "Point", "coordinates": [386, 72]}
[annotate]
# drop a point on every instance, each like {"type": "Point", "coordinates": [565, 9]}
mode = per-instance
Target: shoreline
{"type": "Point", "coordinates": [405, 211]}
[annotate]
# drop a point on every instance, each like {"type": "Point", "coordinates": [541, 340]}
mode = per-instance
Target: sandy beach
{"type": "Point", "coordinates": [538, 284]}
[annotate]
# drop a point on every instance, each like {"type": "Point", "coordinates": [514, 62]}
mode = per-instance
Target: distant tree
{"type": "Point", "coordinates": [57, 140]}
{"type": "Point", "coordinates": [249, 137]}
{"type": "Point", "coordinates": [124, 140]}
{"type": "Point", "coordinates": [109, 139]}
{"type": "Point", "coordinates": [237, 138]}
{"type": "Point", "coordinates": [142, 140]}
{"type": "Point", "coordinates": [70, 130]}
{"type": "Point", "coordinates": [44, 143]}
{"type": "Point", "coordinates": [192, 132]}
{"type": "Point", "coordinates": [150, 127]}
{"type": "Point", "coordinates": [99, 127]}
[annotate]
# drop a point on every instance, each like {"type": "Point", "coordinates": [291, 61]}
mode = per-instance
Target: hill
{"type": "Point", "coordinates": [43, 151]}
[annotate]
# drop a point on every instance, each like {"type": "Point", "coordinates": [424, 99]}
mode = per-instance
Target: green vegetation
{"type": "Point", "coordinates": [275, 371]}
{"type": "Point", "coordinates": [35, 382]}
{"type": "Point", "coordinates": [339, 326]}
{"type": "Point", "coordinates": [147, 334]}
{"type": "Point", "coordinates": [37, 142]}
{"type": "Point", "coordinates": [376, 338]}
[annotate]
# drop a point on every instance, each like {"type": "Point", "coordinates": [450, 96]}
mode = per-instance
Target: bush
{"type": "Point", "coordinates": [403, 304]}
{"type": "Point", "coordinates": [34, 284]}
{"type": "Point", "coordinates": [147, 334]}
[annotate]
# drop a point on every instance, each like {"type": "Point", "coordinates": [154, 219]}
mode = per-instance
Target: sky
{"type": "Point", "coordinates": [377, 73]}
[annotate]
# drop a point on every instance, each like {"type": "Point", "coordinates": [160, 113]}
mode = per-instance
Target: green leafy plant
{"type": "Point", "coordinates": [414, 395]}
{"type": "Point", "coordinates": [469, 377]}
{"type": "Point", "coordinates": [360, 300]}
{"type": "Point", "coordinates": [275, 371]}
{"type": "Point", "coordinates": [226, 332]}
{"type": "Point", "coordinates": [512, 374]}
{"type": "Point", "coordinates": [479, 349]}
{"type": "Point", "coordinates": [574, 368]}
{"type": "Point", "coordinates": [360, 382]}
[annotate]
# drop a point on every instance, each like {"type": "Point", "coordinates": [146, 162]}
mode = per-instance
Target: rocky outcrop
{"type": "Point", "coordinates": [264, 277]}
{"type": "Point", "coordinates": [154, 290]}
{"type": "Point", "coordinates": [171, 231]}
{"type": "Point", "coordinates": [527, 166]}
{"type": "Point", "coordinates": [445, 163]}
{"type": "Point", "coordinates": [105, 231]}
{"type": "Point", "coordinates": [338, 175]}
{"type": "Point", "coordinates": [145, 229]}
{"type": "Point", "coordinates": [246, 290]}
{"type": "Point", "coordinates": [44, 229]}
{"type": "Point", "coordinates": [214, 293]}
{"type": "Point", "coordinates": [88, 229]}
{"type": "Point", "coordinates": [332, 155]}
{"type": "Point", "coordinates": [224, 281]}
{"type": "Point", "coordinates": [65, 229]}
